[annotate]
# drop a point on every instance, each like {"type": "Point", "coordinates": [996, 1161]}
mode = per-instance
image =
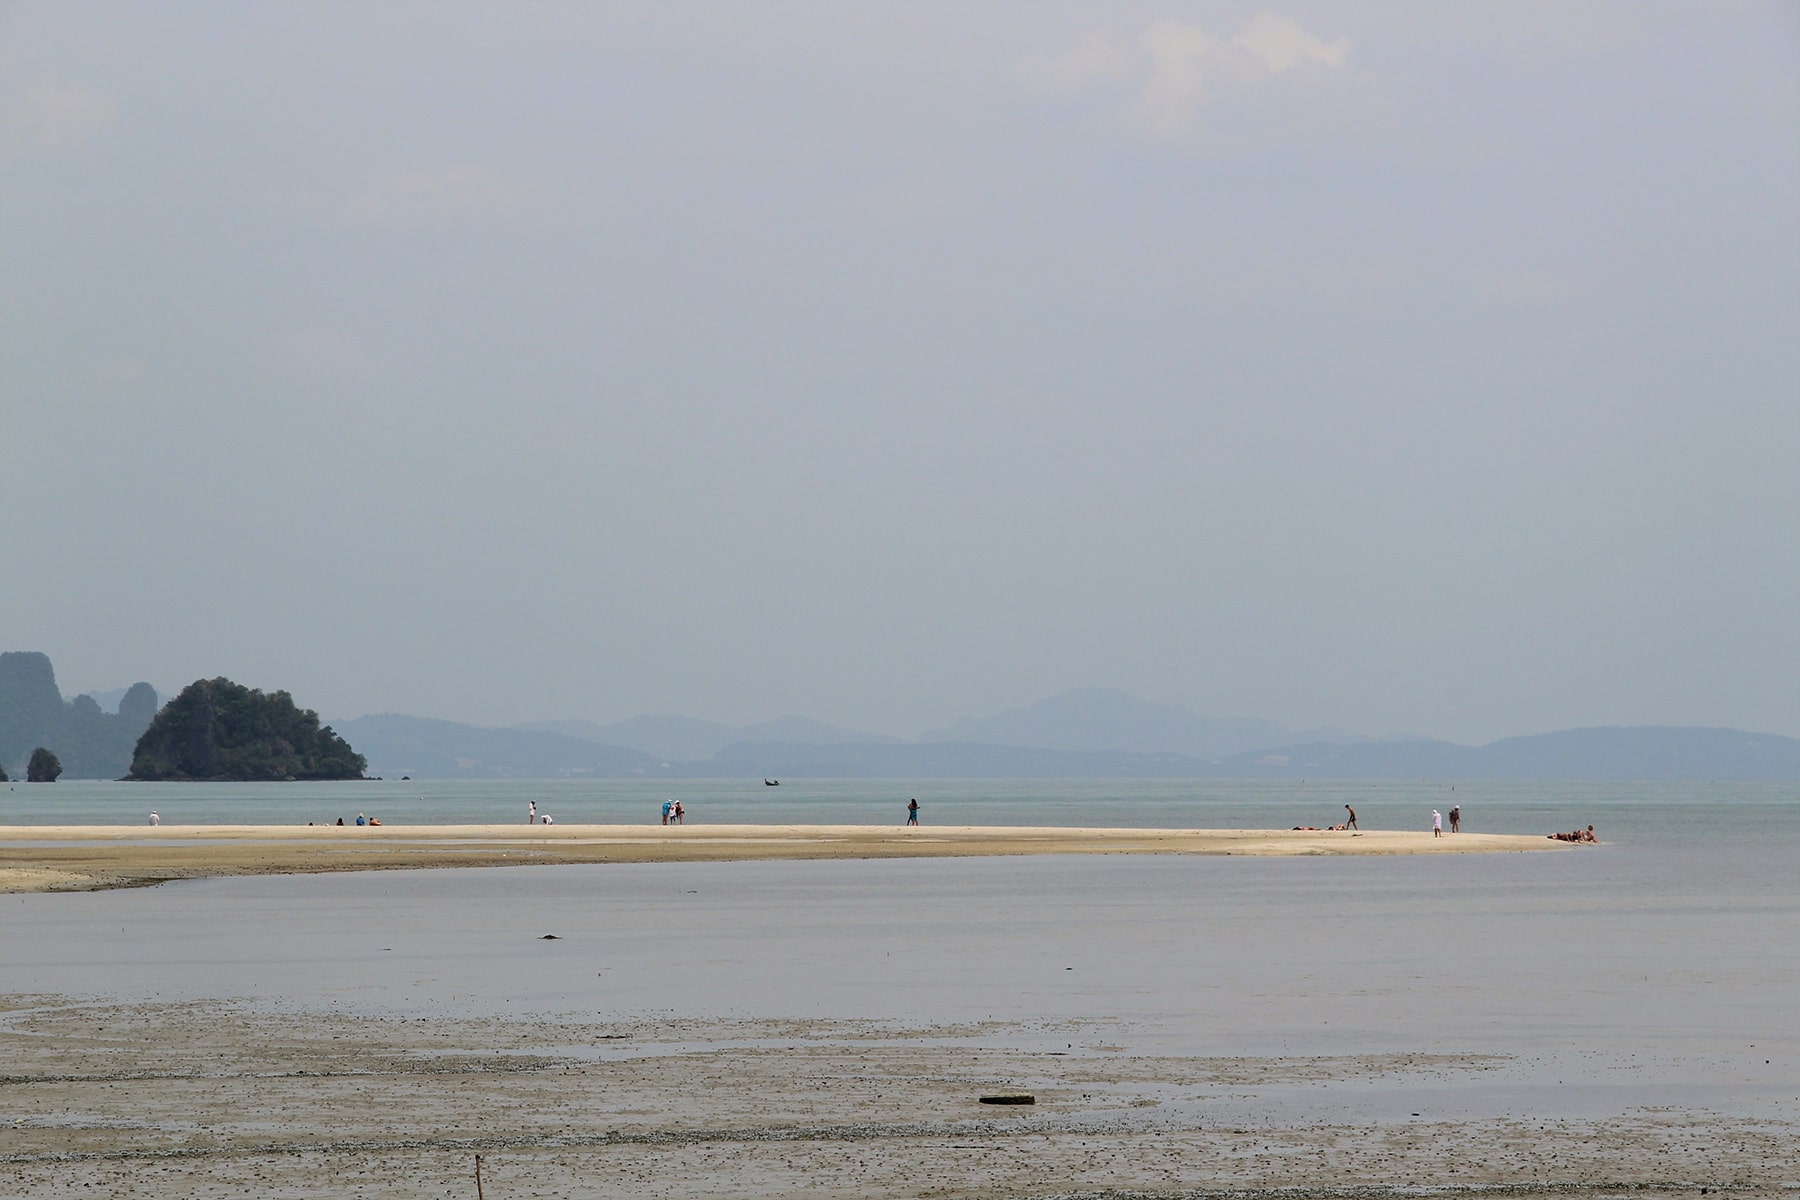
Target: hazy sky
{"type": "Point", "coordinates": [1425, 367]}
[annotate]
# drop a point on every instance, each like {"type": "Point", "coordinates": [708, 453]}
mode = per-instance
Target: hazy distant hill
{"type": "Point", "coordinates": [685, 739]}
{"type": "Point", "coordinates": [1101, 728]}
{"type": "Point", "coordinates": [398, 745]}
{"type": "Point", "coordinates": [91, 743]}
{"type": "Point", "coordinates": [936, 760]}
{"type": "Point", "coordinates": [1612, 752]}
{"type": "Point", "coordinates": [1090, 719]}
{"type": "Point", "coordinates": [669, 739]}
{"type": "Point", "coordinates": [1641, 752]}
{"type": "Point", "coordinates": [110, 698]}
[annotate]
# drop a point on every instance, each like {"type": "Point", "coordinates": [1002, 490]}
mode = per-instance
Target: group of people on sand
{"type": "Point", "coordinates": [1437, 822]}
{"type": "Point", "coordinates": [1579, 835]}
{"type": "Point", "coordinates": [673, 813]}
{"type": "Point", "coordinates": [534, 817]}
{"type": "Point", "coordinates": [1349, 823]}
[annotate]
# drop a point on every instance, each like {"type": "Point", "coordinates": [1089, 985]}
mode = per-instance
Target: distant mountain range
{"type": "Point", "coordinates": [1098, 733]}
{"type": "Point", "coordinates": [1107, 747]}
{"type": "Point", "coordinates": [1096, 719]}
{"type": "Point", "coordinates": [424, 748]}
{"type": "Point", "coordinates": [1612, 752]}
{"type": "Point", "coordinates": [685, 739]}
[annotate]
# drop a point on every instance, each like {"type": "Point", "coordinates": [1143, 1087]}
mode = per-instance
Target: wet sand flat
{"type": "Point", "coordinates": [1188, 1027]}
{"type": "Point", "coordinates": [80, 858]}
{"type": "Point", "coordinates": [200, 1100]}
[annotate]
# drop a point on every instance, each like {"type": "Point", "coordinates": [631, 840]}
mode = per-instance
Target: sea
{"type": "Point", "coordinates": [1660, 968]}
{"type": "Point", "coordinates": [1651, 813]}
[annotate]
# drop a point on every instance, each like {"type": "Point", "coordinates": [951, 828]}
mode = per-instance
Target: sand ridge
{"type": "Point", "coordinates": [89, 857]}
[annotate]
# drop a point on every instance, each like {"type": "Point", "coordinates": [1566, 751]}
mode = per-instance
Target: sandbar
{"type": "Point", "coordinates": [53, 858]}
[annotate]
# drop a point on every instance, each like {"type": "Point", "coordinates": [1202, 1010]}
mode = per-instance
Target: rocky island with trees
{"type": "Point", "coordinates": [44, 766]}
{"type": "Point", "coordinates": [217, 730]}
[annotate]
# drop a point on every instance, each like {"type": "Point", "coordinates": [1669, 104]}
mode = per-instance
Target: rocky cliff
{"type": "Point", "coordinates": [90, 743]}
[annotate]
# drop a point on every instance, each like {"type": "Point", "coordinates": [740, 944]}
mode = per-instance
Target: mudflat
{"type": "Point", "coordinates": [87, 857]}
{"type": "Point", "coordinates": [216, 1100]}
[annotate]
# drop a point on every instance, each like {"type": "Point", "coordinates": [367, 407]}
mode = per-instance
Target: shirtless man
{"type": "Point", "coordinates": [1351, 823]}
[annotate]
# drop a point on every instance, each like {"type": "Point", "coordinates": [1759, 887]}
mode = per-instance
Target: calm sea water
{"type": "Point", "coordinates": [1662, 968]}
{"type": "Point", "coordinates": [1655, 813]}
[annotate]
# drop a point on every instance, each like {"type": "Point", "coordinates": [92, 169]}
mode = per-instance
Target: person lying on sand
{"type": "Point", "coordinates": [1580, 835]}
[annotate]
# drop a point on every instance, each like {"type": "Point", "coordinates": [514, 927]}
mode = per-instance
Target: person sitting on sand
{"type": "Point", "coordinates": [1587, 835]}
{"type": "Point", "coordinates": [374, 820]}
{"type": "Point", "coordinates": [154, 819]}
{"type": "Point", "coordinates": [361, 820]}
{"type": "Point", "coordinates": [546, 818]}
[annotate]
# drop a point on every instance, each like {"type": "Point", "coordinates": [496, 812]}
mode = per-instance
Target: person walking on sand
{"type": "Point", "coordinates": [1351, 823]}
{"type": "Point", "coordinates": [1455, 818]}
{"type": "Point", "coordinates": [912, 812]}
{"type": "Point", "coordinates": [1437, 823]}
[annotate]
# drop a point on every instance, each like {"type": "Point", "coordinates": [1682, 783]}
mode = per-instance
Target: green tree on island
{"type": "Point", "coordinates": [43, 768]}
{"type": "Point", "coordinates": [220, 730]}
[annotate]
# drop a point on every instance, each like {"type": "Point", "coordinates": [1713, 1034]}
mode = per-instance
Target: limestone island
{"type": "Point", "coordinates": [220, 731]}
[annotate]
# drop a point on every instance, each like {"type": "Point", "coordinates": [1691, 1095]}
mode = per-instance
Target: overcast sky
{"type": "Point", "coordinates": [1406, 367]}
